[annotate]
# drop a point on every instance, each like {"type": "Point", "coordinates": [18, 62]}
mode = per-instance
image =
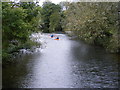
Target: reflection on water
{"type": "Point", "coordinates": [95, 67]}
{"type": "Point", "coordinates": [63, 63]}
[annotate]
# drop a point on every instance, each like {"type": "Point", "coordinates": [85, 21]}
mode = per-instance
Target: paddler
{"type": "Point", "coordinates": [57, 38]}
{"type": "Point", "coordinates": [52, 36]}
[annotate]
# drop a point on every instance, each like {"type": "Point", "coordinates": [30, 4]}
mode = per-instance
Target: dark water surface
{"type": "Point", "coordinates": [63, 63]}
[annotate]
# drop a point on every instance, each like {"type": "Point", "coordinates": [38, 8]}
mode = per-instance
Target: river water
{"type": "Point", "coordinates": [64, 63]}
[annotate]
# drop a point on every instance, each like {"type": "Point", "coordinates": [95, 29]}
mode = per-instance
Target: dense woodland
{"type": "Point", "coordinates": [19, 20]}
{"type": "Point", "coordinates": [95, 23]}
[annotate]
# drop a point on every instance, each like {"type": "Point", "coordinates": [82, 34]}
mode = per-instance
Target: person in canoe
{"type": "Point", "coordinates": [52, 36]}
{"type": "Point", "coordinates": [57, 38]}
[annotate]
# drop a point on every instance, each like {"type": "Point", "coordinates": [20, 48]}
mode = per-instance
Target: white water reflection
{"type": "Point", "coordinates": [63, 63]}
{"type": "Point", "coordinates": [52, 68]}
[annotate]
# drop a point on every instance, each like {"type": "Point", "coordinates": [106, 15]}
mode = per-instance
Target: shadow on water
{"type": "Point", "coordinates": [93, 66]}
{"type": "Point", "coordinates": [63, 64]}
{"type": "Point", "coordinates": [15, 72]}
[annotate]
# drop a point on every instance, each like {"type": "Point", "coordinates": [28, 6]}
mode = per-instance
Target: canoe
{"type": "Point", "coordinates": [56, 39]}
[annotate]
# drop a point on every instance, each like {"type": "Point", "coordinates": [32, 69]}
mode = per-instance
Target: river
{"type": "Point", "coordinates": [64, 63]}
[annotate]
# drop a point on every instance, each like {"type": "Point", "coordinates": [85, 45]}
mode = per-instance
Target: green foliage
{"type": "Point", "coordinates": [55, 22]}
{"type": "Point", "coordinates": [51, 17]}
{"type": "Point", "coordinates": [95, 23]}
{"type": "Point", "coordinates": [29, 44]}
{"type": "Point", "coordinates": [14, 26]}
{"type": "Point", "coordinates": [10, 52]}
{"type": "Point", "coordinates": [33, 14]}
{"type": "Point", "coordinates": [64, 5]}
{"type": "Point", "coordinates": [19, 20]}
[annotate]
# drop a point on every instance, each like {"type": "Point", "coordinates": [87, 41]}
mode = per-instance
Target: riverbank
{"type": "Point", "coordinates": [95, 23]}
{"type": "Point", "coordinates": [109, 47]}
{"type": "Point", "coordinates": [63, 63]}
{"type": "Point", "coordinates": [15, 48]}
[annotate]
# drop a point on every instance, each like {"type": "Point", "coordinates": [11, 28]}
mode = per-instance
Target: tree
{"type": "Point", "coordinates": [14, 26]}
{"type": "Point", "coordinates": [95, 23]}
{"type": "Point", "coordinates": [49, 10]}
{"type": "Point", "coordinates": [55, 22]}
{"type": "Point", "coordinates": [64, 5]}
{"type": "Point", "coordinates": [19, 21]}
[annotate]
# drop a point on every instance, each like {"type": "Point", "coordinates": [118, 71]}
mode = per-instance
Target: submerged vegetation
{"type": "Point", "coordinates": [96, 23]}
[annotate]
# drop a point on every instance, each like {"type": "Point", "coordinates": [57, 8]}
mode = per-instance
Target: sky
{"type": "Point", "coordinates": [53, 1]}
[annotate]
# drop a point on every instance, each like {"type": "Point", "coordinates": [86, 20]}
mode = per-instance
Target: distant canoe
{"type": "Point", "coordinates": [56, 39]}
